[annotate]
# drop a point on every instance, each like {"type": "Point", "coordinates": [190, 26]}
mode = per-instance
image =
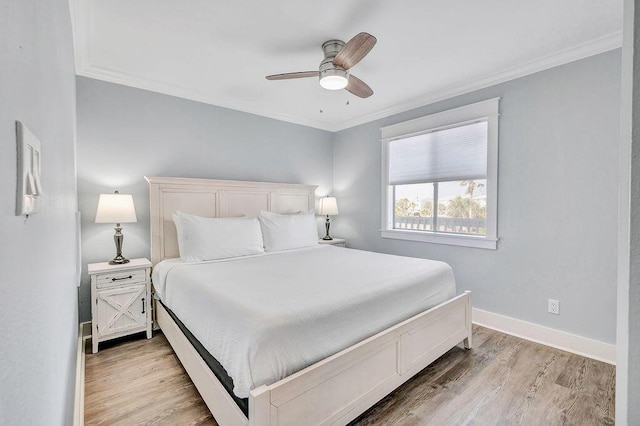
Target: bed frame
{"type": "Point", "coordinates": [335, 390]}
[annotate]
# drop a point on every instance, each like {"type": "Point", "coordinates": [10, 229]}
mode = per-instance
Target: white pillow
{"type": "Point", "coordinates": [202, 238]}
{"type": "Point", "coordinates": [288, 231]}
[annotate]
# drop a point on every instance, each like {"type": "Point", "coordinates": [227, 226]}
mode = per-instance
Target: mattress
{"type": "Point", "coordinates": [213, 364]}
{"type": "Point", "coordinates": [267, 316]}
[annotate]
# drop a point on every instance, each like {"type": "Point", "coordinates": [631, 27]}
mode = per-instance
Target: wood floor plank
{"type": "Point", "coordinates": [136, 381]}
{"type": "Point", "coordinates": [504, 380]}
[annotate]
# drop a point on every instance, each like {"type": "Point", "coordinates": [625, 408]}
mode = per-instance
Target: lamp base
{"type": "Point", "coordinates": [118, 260]}
{"type": "Point", "coordinates": [117, 238]}
{"type": "Point", "coordinates": [327, 224]}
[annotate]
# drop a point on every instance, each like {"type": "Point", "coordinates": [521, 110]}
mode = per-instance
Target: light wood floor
{"type": "Point", "coordinates": [503, 380]}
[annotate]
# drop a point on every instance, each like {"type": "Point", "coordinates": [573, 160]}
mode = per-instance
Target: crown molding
{"type": "Point", "coordinates": [126, 79]}
{"type": "Point", "coordinates": [86, 69]}
{"type": "Point", "coordinates": [582, 51]}
{"type": "Point", "coordinates": [79, 11]}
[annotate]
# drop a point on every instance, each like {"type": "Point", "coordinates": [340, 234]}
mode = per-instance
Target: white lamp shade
{"type": "Point", "coordinates": [328, 206]}
{"type": "Point", "coordinates": [116, 208]}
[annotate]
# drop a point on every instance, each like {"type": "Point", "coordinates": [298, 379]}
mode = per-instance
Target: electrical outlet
{"type": "Point", "coordinates": [554, 307]}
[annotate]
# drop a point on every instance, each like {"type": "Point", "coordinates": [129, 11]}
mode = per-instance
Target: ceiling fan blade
{"type": "Point", "coordinates": [355, 49]}
{"type": "Point", "coordinates": [358, 87]}
{"type": "Point", "coordinates": [290, 75]}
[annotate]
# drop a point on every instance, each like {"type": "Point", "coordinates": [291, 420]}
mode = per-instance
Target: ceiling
{"type": "Point", "coordinates": [219, 52]}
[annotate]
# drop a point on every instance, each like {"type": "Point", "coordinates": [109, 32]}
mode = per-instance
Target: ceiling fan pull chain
{"type": "Point", "coordinates": [321, 111]}
{"type": "Point", "coordinates": [348, 95]}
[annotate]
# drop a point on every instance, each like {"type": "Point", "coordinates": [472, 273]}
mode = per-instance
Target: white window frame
{"type": "Point", "coordinates": [486, 110]}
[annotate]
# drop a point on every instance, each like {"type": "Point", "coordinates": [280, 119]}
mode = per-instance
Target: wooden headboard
{"type": "Point", "coordinates": [215, 198]}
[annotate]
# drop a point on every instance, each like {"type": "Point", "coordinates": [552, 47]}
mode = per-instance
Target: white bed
{"type": "Point", "coordinates": [284, 342]}
{"type": "Point", "coordinates": [264, 317]}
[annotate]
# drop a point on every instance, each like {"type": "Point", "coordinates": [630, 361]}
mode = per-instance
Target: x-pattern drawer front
{"type": "Point", "coordinates": [121, 309]}
{"type": "Point", "coordinates": [123, 278]}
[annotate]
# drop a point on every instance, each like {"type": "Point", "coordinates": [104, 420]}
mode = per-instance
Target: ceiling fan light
{"type": "Point", "coordinates": [334, 79]}
{"type": "Point", "coordinates": [333, 82]}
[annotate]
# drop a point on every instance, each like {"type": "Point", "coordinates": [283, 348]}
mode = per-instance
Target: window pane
{"type": "Point", "coordinates": [413, 207]}
{"type": "Point", "coordinates": [462, 207]}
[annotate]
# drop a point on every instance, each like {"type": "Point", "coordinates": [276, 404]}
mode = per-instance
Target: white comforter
{"type": "Point", "coordinates": [267, 316]}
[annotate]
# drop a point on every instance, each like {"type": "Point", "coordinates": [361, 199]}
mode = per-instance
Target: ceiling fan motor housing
{"type": "Point", "coordinates": [330, 48]}
{"type": "Point", "coordinates": [330, 72]}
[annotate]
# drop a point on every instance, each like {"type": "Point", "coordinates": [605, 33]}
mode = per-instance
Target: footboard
{"type": "Point", "coordinates": [338, 389]}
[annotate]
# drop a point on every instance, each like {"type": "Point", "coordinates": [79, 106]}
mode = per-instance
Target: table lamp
{"type": "Point", "coordinates": [116, 208]}
{"type": "Point", "coordinates": [328, 207]}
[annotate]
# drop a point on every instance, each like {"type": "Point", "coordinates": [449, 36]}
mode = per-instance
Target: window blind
{"type": "Point", "coordinates": [458, 153]}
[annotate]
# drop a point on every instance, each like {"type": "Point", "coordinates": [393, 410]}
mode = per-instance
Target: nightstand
{"type": "Point", "coordinates": [120, 300]}
{"type": "Point", "coordinates": [338, 242]}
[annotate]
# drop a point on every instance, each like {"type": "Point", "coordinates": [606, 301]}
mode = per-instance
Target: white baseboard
{"type": "Point", "coordinates": [84, 333]}
{"type": "Point", "coordinates": [562, 340]}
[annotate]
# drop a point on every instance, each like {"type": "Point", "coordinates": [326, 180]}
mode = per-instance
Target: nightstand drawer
{"type": "Point", "coordinates": [121, 278]}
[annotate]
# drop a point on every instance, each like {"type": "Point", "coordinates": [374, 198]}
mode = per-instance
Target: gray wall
{"type": "Point", "coordinates": [125, 134]}
{"type": "Point", "coordinates": [557, 214]}
{"type": "Point", "coordinates": [38, 307]}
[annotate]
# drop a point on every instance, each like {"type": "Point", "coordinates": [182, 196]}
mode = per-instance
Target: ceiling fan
{"type": "Point", "coordinates": [338, 58]}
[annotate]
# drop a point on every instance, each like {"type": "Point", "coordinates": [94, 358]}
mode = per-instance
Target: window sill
{"type": "Point", "coordinates": [441, 238]}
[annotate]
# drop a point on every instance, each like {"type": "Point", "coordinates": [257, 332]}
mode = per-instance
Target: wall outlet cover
{"type": "Point", "coordinates": [554, 307]}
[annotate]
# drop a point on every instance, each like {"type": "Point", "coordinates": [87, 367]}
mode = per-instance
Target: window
{"type": "Point", "coordinates": [440, 177]}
